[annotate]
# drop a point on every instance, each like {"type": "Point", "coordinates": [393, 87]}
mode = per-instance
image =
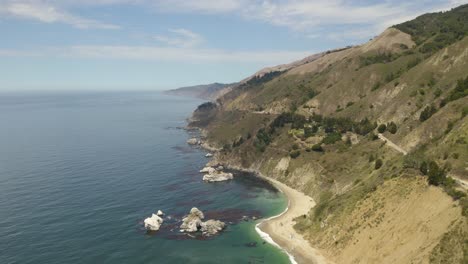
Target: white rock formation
{"type": "Point", "coordinates": [160, 213]}
{"type": "Point", "coordinates": [193, 221]}
{"type": "Point", "coordinates": [212, 227]}
{"type": "Point", "coordinates": [193, 141]}
{"type": "Point", "coordinates": [208, 170]}
{"type": "Point", "coordinates": [153, 223]}
{"type": "Point", "coordinates": [218, 176]}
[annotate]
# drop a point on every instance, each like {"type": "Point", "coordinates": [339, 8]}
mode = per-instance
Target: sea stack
{"type": "Point", "coordinates": [153, 223]}
{"type": "Point", "coordinates": [193, 223]}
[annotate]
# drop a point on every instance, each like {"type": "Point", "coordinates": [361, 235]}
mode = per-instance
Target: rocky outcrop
{"type": "Point", "coordinates": [160, 213]}
{"type": "Point", "coordinates": [193, 223]}
{"type": "Point", "coordinates": [153, 223]}
{"type": "Point", "coordinates": [208, 170]}
{"type": "Point", "coordinates": [218, 176]}
{"type": "Point", "coordinates": [212, 227]}
{"type": "Point", "coordinates": [193, 141]}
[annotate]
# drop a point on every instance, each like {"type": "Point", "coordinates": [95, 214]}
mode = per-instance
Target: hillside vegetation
{"type": "Point", "coordinates": [318, 126]}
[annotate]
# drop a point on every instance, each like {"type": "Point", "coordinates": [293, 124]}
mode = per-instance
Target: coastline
{"type": "Point", "coordinates": [280, 228]}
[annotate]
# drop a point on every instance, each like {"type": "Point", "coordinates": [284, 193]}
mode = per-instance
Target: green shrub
{"type": "Point", "coordinates": [436, 175]}
{"type": "Point", "coordinates": [413, 63]}
{"type": "Point", "coordinates": [437, 92]}
{"type": "Point", "coordinates": [317, 147]}
{"type": "Point", "coordinates": [378, 58]}
{"type": "Point", "coordinates": [464, 111]}
{"type": "Point", "coordinates": [460, 91]}
{"type": "Point", "coordinates": [376, 86]}
{"type": "Point", "coordinates": [331, 138]}
{"type": "Point", "coordinates": [437, 30]}
{"type": "Point", "coordinates": [392, 128]}
{"type": "Point", "coordinates": [294, 154]}
{"type": "Point", "coordinates": [378, 164]}
{"type": "Point", "coordinates": [427, 113]}
{"type": "Point", "coordinates": [382, 128]}
{"type": "Point", "coordinates": [423, 168]}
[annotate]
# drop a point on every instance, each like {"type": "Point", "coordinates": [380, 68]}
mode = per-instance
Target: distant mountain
{"type": "Point", "coordinates": [205, 91]}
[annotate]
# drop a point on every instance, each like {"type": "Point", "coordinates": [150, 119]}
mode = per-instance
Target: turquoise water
{"type": "Point", "coordinates": [79, 172]}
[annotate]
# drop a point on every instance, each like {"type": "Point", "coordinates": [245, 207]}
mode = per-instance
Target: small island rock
{"type": "Point", "coordinates": [212, 227]}
{"type": "Point", "coordinates": [193, 221]}
{"type": "Point", "coordinates": [153, 223]}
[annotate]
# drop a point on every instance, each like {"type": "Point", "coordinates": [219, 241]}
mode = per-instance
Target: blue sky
{"type": "Point", "coordinates": [161, 44]}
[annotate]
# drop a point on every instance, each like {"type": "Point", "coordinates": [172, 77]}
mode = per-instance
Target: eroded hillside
{"type": "Point", "coordinates": [377, 134]}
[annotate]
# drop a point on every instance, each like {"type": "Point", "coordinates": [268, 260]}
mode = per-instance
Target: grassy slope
{"type": "Point", "coordinates": [343, 178]}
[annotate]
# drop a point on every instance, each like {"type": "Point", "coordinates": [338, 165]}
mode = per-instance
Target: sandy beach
{"type": "Point", "coordinates": [281, 231]}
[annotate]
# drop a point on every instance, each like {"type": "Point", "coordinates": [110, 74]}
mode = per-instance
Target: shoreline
{"type": "Point", "coordinates": [279, 230]}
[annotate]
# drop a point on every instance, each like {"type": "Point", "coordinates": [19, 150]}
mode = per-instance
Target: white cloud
{"type": "Point", "coordinates": [162, 54]}
{"type": "Point", "coordinates": [181, 38]}
{"type": "Point", "coordinates": [202, 6]}
{"type": "Point", "coordinates": [183, 54]}
{"type": "Point", "coordinates": [43, 12]}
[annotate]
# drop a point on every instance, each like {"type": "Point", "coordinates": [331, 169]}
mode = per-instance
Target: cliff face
{"type": "Point", "coordinates": [314, 125]}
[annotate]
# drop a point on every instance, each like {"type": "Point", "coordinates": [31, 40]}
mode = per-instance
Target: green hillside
{"type": "Point", "coordinates": [322, 120]}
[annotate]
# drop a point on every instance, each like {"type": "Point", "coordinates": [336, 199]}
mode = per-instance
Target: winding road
{"type": "Point", "coordinates": [463, 183]}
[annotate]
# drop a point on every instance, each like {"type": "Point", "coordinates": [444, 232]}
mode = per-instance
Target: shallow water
{"type": "Point", "coordinates": [80, 171]}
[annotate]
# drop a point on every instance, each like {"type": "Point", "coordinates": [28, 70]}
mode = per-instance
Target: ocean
{"type": "Point", "coordinates": [80, 171]}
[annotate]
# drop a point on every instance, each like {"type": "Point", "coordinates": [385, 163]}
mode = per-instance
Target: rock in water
{"type": "Point", "coordinates": [193, 221]}
{"type": "Point", "coordinates": [208, 170]}
{"type": "Point", "coordinates": [160, 213]}
{"type": "Point", "coordinates": [212, 227]}
{"type": "Point", "coordinates": [153, 223]}
{"type": "Point", "coordinates": [218, 176]}
{"type": "Point", "coordinates": [192, 141]}
{"type": "Point", "coordinates": [209, 155]}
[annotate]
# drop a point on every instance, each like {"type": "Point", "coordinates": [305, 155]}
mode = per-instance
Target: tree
{"type": "Point", "coordinates": [427, 112]}
{"type": "Point", "coordinates": [378, 164]}
{"type": "Point", "coordinates": [392, 128]}
{"type": "Point", "coordinates": [423, 168]}
{"type": "Point", "coordinates": [382, 128]}
{"type": "Point", "coordinates": [436, 175]}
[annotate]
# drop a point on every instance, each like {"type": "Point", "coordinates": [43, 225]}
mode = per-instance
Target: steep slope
{"type": "Point", "coordinates": [314, 126]}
